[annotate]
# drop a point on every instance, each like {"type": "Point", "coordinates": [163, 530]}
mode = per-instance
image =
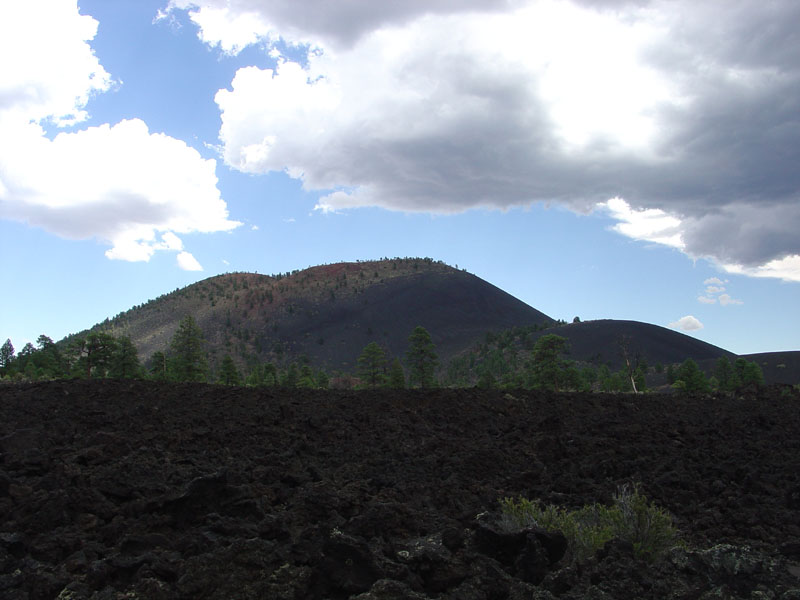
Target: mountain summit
{"type": "Point", "coordinates": [330, 312]}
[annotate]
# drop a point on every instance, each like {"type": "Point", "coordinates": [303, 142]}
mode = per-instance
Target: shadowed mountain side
{"type": "Point", "coordinates": [455, 307]}
{"type": "Point", "coordinates": [598, 342]}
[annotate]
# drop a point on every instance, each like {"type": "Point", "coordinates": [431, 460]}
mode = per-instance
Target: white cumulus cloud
{"type": "Point", "coordinates": [786, 268]}
{"type": "Point", "coordinates": [687, 323]}
{"type": "Point", "coordinates": [37, 82]}
{"type": "Point", "coordinates": [121, 184]}
{"type": "Point", "coordinates": [230, 29]}
{"type": "Point", "coordinates": [187, 262]}
{"type": "Point", "coordinates": [652, 224]}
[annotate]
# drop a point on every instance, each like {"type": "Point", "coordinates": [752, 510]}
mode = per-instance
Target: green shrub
{"type": "Point", "coordinates": [632, 518]}
{"type": "Point", "coordinates": [642, 523]}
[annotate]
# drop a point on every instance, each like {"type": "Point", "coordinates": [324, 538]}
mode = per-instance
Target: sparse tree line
{"type": "Point", "coordinates": [96, 355]}
{"type": "Point", "coordinates": [100, 355]}
{"type": "Point", "coordinates": [515, 359]}
{"type": "Point", "coordinates": [542, 366]}
{"type": "Point", "coordinates": [375, 370]}
{"type": "Point", "coordinates": [727, 376]}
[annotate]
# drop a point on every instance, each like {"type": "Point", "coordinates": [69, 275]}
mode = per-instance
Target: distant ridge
{"type": "Point", "coordinates": [599, 342]}
{"type": "Point", "coordinates": [778, 367]}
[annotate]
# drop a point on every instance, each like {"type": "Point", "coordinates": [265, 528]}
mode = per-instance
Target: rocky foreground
{"type": "Point", "coordinates": [112, 490]}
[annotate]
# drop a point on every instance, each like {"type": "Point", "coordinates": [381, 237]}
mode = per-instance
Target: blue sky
{"type": "Point", "coordinates": [610, 159]}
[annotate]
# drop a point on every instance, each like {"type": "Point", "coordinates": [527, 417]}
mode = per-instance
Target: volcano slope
{"type": "Point", "coordinates": [141, 490]}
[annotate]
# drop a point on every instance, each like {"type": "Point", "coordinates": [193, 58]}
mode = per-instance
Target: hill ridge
{"type": "Point", "coordinates": [341, 305]}
{"type": "Point", "coordinates": [326, 314]}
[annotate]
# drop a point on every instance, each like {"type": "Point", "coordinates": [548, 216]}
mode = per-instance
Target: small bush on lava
{"type": "Point", "coordinates": [632, 519]}
{"type": "Point", "coordinates": [643, 524]}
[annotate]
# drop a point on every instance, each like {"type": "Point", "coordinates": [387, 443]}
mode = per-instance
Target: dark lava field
{"type": "Point", "coordinates": [112, 490]}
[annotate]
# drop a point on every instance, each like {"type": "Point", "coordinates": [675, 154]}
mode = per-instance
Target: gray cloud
{"type": "Point", "coordinates": [732, 153]}
{"type": "Point", "coordinates": [342, 23]}
{"type": "Point", "coordinates": [117, 213]}
{"type": "Point", "coordinates": [455, 117]}
{"type": "Point", "coordinates": [747, 234]}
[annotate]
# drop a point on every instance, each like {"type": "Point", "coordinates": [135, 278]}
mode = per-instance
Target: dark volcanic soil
{"type": "Point", "coordinates": [140, 490]}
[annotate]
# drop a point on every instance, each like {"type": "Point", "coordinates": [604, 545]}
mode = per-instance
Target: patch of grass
{"type": "Point", "coordinates": [632, 518]}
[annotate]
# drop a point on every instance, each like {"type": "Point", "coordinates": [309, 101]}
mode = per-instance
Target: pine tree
{"type": "Point", "coordinates": [48, 358]}
{"type": "Point", "coordinates": [188, 361]}
{"type": "Point", "coordinates": [6, 357]}
{"type": "Point", "coordinates": [158, 366]}
{"type": "Point", "coordinates": [31, 372]}
{"type": "Point", "coordinates": [93, 354]}
{"type": "Point", "coordinates": [738, 367]}
{"type": "Point", "coordinates": [726, 377]}
{"type": "Point", "coordinates": [588, 377]}
{"type": "Point", "coordinates": [253, 378]}
{"type": "Point", "coordinates": [269, 376]}
{"type": "Point", "coordinates": [486, 381]}
{"type": "Point", "coordinates": [752, 374]}
{"type": "Point", "coordinates": [125, 360]}
{"type": "Point", "coordinates": [693, 378]}
{"type": "Point", "coordinates": [6, 353]}
{"type": "Point", "coordinates": [548, 367]}
{"type": "Point", "coordinates": [228, 374]}
{"type": "Point", "coordinates": [397, 378]}
{"type": "Point", "coordinates": [748, 372]}
{"type": "Point", "coordinates": [372, 364]}
{"type": "Point", "coordinates": [306, 378]}
{"type": "Point", "coordinates": [421, 358]}
{"type": "Point", "coordinates": [322, 380]}
{"type": "Point", "coordinates": [291, 376]}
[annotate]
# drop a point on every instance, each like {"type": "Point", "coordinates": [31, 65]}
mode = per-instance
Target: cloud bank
{"type": "Point", "coordinates": [687, 116]}
{"type": "Point", "coordinates": [122, 184]}
{"type": "Point", "coordinates": [233, 24]}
